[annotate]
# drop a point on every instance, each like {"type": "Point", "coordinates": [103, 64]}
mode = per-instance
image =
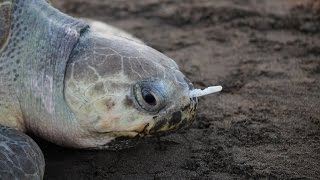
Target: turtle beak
{"type": "Point", "coordinates": [180, 119]}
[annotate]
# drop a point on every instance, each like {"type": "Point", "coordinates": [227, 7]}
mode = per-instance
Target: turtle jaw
{"type": "Point", "coordinates": [163, 124]}
{"type": "Point", "coordinates": [179, 119]}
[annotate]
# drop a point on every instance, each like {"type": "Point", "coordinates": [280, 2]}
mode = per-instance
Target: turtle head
{"type": "Point", "coordinates": [120, 90]}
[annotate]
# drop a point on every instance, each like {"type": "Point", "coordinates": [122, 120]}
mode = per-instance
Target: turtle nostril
{"type": "Point", "coordinates": [150, 99]}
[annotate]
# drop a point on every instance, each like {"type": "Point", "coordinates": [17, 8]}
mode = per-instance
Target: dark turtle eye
{"type": "Point", "coordinates": [150, 99]}
{"type": "Point", "coordinates": [149, 96]}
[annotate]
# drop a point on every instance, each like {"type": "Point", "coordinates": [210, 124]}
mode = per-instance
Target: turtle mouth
{"type": "Point", "coordinates": [130, 134]}
{"type": "Point", "coordinates": [181, 119]}
{"type": "Point", "coordinates": [164, 122]}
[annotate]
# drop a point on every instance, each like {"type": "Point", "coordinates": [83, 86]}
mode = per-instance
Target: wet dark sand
{"type": "Point", "coordinates": [265, 123]}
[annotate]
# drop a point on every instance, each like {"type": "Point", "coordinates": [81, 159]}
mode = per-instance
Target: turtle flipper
{"type": "Point", "coordinates": [5, 20]}
{"type": "Point", "coordinates": [20, 156]}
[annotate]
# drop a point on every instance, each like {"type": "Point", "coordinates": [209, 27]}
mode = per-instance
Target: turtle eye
{"type": "Point", "coordinates": [149, 96]}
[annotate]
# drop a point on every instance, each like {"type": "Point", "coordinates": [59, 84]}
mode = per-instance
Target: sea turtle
{"type": "Point", "coordinates": [61, 81]}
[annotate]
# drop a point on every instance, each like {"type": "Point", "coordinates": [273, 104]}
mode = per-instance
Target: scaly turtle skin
{"type": "Point", "coordinates": [74, 87]}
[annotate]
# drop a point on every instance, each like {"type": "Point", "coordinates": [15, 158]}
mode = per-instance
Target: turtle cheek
{"type": "Point", "coordinates": [106, 124]}
{"type": "Point", "coordinates": [119, 119]}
